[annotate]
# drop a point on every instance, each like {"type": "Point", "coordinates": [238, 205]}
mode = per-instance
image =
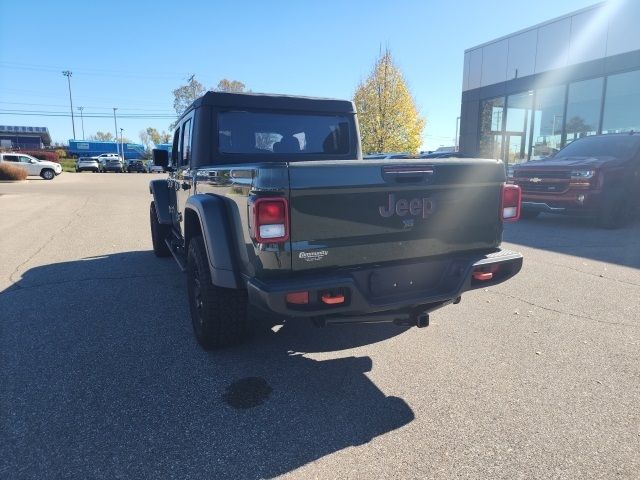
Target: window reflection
{"type": "Point", "coordinates": [583, 109]}
{"type": "Point", "coordinates": [547, 129]}
{"type": "Point", "coordinates": [517, 127]}
{"type": "Point", "coordinates": [491, 113]}
{"type": "Point", "coordinates": [622, 103]}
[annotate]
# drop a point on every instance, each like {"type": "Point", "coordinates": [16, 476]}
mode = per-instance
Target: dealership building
{"type": "Point", "coordinates": [530, 93]}
{"type": "Point", "coordinates": [18, 137]}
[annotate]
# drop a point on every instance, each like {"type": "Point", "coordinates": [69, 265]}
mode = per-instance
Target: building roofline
{"type": "Point", "coordinates": [536, 27]}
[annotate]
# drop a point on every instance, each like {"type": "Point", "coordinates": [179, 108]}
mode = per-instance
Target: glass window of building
{"type": "Point", "coordinates": [583, 109]}
{"type": "Point", "coordinates": [517, 132]}
{"type": "Point", "coordinates": [491, 114]}
{"type": "Point", "coordinates": [622, 103]}
{"type": "Point", "coordinates": [548, 120]}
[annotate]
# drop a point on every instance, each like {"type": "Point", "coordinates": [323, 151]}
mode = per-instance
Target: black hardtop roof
{"type": "Point", "coordinates": [274, 102]}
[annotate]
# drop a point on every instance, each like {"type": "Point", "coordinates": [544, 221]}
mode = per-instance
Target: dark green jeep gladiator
{"type": "Point", "coordinates": [270, 205]}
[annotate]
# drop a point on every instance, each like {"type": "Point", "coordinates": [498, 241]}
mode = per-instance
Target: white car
{"type": "Point", "coordinates": [87, 163]}
{"type": "Point", "coordinates": [33, 166]}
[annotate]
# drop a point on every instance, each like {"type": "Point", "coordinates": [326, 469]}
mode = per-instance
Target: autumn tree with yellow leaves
{"type": "Point", "coordinates": [387, 114]}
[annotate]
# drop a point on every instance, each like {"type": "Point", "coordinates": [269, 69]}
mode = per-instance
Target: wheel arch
{"type": "Point", "coordinates": [206, 215]}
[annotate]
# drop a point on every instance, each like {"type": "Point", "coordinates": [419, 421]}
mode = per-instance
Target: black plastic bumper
{"type": "Point", "coordinates": [385, 289]}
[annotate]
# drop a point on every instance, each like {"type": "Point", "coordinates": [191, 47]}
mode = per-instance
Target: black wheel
{"type": "Point", "coordinates": [47, 174]}
{"type": "Point", "coordinates": [529, 214]}
{"type": "Point", "coordinates": [218, 315]}
{"type": "Point", "coordinates": [615, 212]}
{"type": "Point", "coordinates": [159, 233]}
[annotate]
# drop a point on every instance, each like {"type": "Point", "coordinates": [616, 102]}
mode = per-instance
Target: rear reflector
{"type": "Point", "coordinates": [298, 298]}
{"type": "Point", "coordinates": [511, 203]}
{"type": "Point", "coordinates": [271, 220]}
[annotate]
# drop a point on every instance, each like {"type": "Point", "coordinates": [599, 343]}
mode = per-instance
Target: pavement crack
{"type": "Point", "coordinates": [562, 312]}
{"type": "Point", "coordinates": [74, 215]}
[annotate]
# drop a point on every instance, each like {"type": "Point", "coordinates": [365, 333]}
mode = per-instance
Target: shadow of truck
{"type": "Point", "coordinates": [102, 378]}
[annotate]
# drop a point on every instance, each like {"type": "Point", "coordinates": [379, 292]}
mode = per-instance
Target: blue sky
{"type": "Point", "coordinates": [131, 55]}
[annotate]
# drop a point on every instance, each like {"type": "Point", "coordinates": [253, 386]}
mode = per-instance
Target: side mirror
{"type": "Point", "coordinates": [161, 158]}
{"type": "Point", "coordinates": [33, 161]}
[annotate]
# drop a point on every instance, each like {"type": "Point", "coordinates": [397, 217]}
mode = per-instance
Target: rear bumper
{"type": "Point", "coordinates": [384, 290]}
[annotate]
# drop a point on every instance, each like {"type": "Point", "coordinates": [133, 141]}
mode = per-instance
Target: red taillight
{"type": "Point", "coordinates": [271, 220]}
{"type": "Point", "coordinates": [298, 298]}
{"type": "Point", "coordinates": [511, 202]}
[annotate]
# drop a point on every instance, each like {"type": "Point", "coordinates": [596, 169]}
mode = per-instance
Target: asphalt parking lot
{"type": "Point", "coordinates": [101, 376]}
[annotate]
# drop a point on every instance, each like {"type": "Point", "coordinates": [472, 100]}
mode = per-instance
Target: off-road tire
{"type": "Point", "coordinates": [218, 315]}
{"type": "Point", "coordinates": [48, 174]}
{"type": "Point", "coordinates": [529, 214]}
{"type": "Point", "coordinates": [159, 233]}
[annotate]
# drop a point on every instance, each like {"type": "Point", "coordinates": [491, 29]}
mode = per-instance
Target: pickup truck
{"type": "Point", "coordinates": [595, 176]}
{"type": "Point", "coordinates": [270, 205]}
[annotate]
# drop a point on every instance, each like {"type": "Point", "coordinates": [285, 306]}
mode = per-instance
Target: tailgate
{"type": "Point", "coordinates": [349, 213]}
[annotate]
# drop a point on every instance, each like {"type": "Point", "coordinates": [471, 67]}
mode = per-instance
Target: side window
{"type": "Point", "coordinates": [11, 158]}
{"type": "Point", "coordinates": [175, 154]}
{"type": "Point", "coordinates": [186, 143]}
{"type": "Point", "coordinates": [24, 159]}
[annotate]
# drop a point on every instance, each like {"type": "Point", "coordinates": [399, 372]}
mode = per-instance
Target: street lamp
{"type": "Point", "coordinates": [68, 73]}
{"type": "Point", "coordinates": [122, 145]}
{"type": "Point", "coordinates": [115, 123]}
{"type": "Point", "coordinates": [82, 120]}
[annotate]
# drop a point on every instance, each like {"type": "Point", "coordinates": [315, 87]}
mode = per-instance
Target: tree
{"type": "Point", "coordinates": [102, 137]}
{"type": "Point", "coordinates": [226, 85]}
{"type": "Point", "coordinates": [186, 94]}
{"type": "Point", "coordinates": [144, 138]}
{"type": "Point", "coordinates": [151, 135]}
{"type": "Point", "coordinates": [577, 126]}
{"type": "Point", "coordinates": [388, 117]}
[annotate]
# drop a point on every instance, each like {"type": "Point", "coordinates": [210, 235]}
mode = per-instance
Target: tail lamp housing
{"type": "Point", "coordinates": [270, 220]}
{"type": "Point", "coordinates": [511, 203]}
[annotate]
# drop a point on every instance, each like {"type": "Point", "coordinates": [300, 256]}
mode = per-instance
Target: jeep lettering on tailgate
{"type": "Point", "coordinates": [402, 207]}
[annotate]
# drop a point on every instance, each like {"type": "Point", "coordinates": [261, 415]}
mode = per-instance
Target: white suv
{"type": "Point", "coordinates": [33, 166]}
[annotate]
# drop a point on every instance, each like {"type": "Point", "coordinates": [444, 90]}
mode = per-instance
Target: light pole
{"type": "Point", "coordinates": [115, 124]}
{"type": "Point", "coordinates": [68, 73]}
{"type": "Point", "coordinates": [122, 145]}
{"type": "Point", "coordinates": [82, 121]}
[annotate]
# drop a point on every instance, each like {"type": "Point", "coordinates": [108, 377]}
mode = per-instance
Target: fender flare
{"type": "Point", "coordinates": [213, 222]}
{"type": "Point", "coordinates": [160, 191]}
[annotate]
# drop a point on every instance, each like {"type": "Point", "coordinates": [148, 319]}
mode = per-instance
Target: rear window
{"type": "Point", "coordinates": [266, 133]}
{"type": "Point", "coordinates": [618, 146]}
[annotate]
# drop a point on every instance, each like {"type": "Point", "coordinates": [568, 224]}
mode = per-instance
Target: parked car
{"type": "Point", "coordinates": [113, 164]}
{"type": "Point", "coordinates": [596, 176]}
{"type": "Point", "coordinates": [135, 166]}
{"type": "Point", "coordinates": [87, 163]}
{"type": "Point", "coordinates": [307, 229]}
{"type": "Point", "coordinates": [387, 156]}
{"type": "Point", "coordinates": [33, 166]}
{"type": "Point", "coordinates": [442, 155]}
{"type": "Point", "coordinates": [151, 168]}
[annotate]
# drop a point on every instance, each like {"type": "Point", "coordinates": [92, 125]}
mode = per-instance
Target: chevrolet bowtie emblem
{"type": "Point", "coordinates": [535, 180]}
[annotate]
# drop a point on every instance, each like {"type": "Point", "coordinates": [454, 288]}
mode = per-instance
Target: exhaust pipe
{"type": "Point", "coordinates": [422, 320]}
